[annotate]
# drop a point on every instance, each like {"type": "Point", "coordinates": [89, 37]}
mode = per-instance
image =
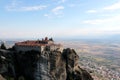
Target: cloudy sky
{"type": "Point", "coordinates": [58, 18]}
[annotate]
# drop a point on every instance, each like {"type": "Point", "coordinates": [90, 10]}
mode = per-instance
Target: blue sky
{"type": "Point", "coordinates": [59, 18]}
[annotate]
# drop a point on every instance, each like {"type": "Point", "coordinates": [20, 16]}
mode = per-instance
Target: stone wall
{"type": "Point", "coordinates": [27, 48]}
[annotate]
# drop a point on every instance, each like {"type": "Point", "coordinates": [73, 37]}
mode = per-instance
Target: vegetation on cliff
{"type": "Point", "coordinates": [2, 46]}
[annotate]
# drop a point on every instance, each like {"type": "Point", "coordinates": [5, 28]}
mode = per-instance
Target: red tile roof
{"type": "Point", "coordinates": [32, 43]}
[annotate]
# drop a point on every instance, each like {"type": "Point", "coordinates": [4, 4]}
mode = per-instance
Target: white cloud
{"type": "Point", "coordinates": [114, 6]}
{"type": "Point", "coordinates": [26, 8]}
{"type": "Point", "coordinates": [58, 10]}
{"type": "Point", "coordinates": [12, 6]}
{"type": "Point", "coordinates": [48, 15]}
{"type": "Point", "coordinates": [91, 11]}
{"type": "Point", "coordinates": [109, 25]}
{"type": "Point", "coordinates": [55, 12]}
{"type": "Point", "coordinates": [103, 21]}
{"type": "Point", "coordinates": [16, 6]}
{"type": "Point", "coordinates": [33, 8]}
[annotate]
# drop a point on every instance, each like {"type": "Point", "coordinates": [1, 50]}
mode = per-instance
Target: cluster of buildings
{"type": "Point", "coordinates": [38, 45]}
{"type": "Point", "coordinates": [99, 71]}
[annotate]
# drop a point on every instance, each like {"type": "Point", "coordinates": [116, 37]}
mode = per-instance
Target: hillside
{"type": "Point", "coordinates": [99, 57]}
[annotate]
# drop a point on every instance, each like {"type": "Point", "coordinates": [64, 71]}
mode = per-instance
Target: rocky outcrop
{"type": "Point", "coordinates": [6, 64]}
{"type": "Point", "coordinates": [47, 65]}
{"type": "Point", "coordinates": [74, 72]}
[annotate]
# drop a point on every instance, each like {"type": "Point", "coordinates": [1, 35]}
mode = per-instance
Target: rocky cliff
{"type": "Point", "coordinates": [47, 65]}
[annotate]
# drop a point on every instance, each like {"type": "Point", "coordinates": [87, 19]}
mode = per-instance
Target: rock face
{"type": "Point", "coordinates": [74, 72]}
{"type": "Point", "coordinates": [47, 65]}
{"type": "Point", "coordinates": [6, 64]}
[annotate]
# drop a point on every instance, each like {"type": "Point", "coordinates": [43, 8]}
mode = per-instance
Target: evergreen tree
{"type": "Point", "coordinates": [3, 46]}
{"type": "Point", "coordinates": [51, 39]}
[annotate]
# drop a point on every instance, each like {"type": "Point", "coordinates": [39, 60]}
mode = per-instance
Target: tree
{"type": "Point", "coordinates": [3, 46]}
{"type": "Point", "coordinates": [51, 39]}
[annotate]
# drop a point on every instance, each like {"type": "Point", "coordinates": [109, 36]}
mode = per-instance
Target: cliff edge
{"type": "Point", "coordinates": [45, 65]}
